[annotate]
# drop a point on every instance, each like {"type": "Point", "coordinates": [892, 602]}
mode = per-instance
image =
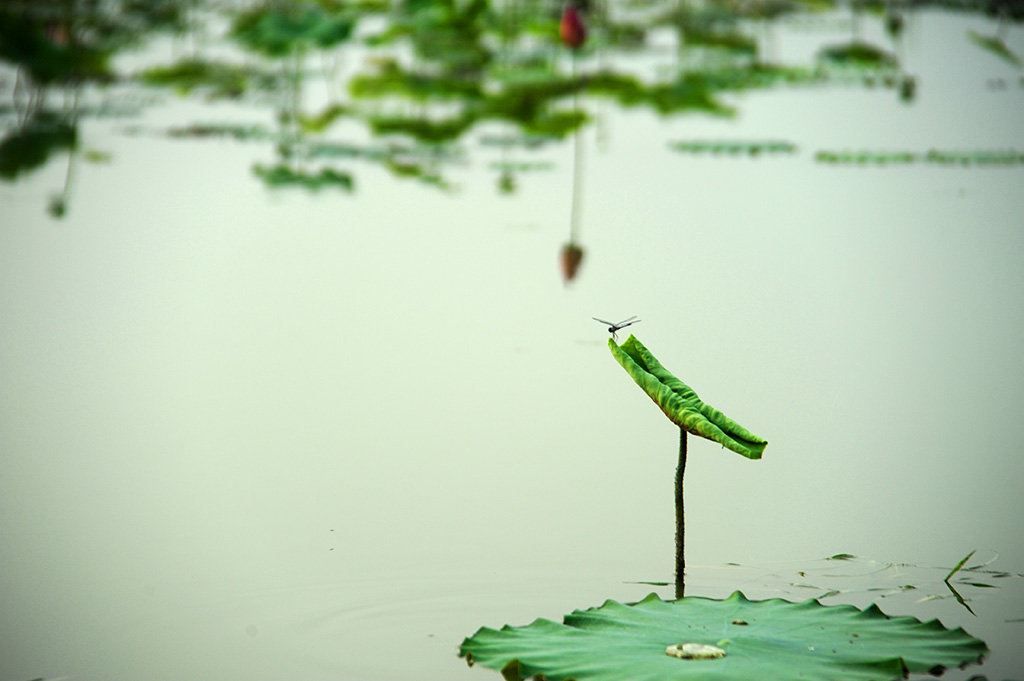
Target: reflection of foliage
{"type": "Point", "coordinates": [858, 55]}
{"type": "Point", "coordinates": [974, 157]}
{"type": "Point", "coordinates": [436, 69]}
{"type": "Point", "coordinates": [413, 170]}
{"type": "Point", "coordinates": [238, 132]}
{"type": "Point", "coordinates": [733, 148]}
{"type": "Point", "coordinates": [445, 32]}
{"type": "Point", "coordinates": [220, 79]}
{"type": "Point", "coordinates": [277, 31]}
{"type": "Point", "coordinates": [48, 54]}
{"type": "Point", "coordinates": [521, 166]}
{"type": "Point", "coordinates": [29, 147]}
{"type": "Point", "coordinates": [996, 46]}
{"type": "Point", "coordinates": [323, 120]}
{"type": "Point", "coordinates": [865, 157]}
{"type": "Point", "coordinates": [758, 76]}
{"type": "Point", "coordinates": [531, 103]}
{"type": "Point", "coordinates": [60, 42]}
{"type": "Point", "coordinates": [282, 176]}
{"type": "Point", "coordinates": [698, 33]}
{"type": "Point", "coordinates": [690, 92]}
{"type": "Point", "coordinates": [527, 104]}
{"type": "Point", "coordinates": [390, 80]}
{"type": "Point", "coordinates": [934, 156]}
{"type": "Point", "coordinates": [422, 129]}
{"type": "Point", "coordinates": [557, 124]}
{"type": "Point", "coordinates": [1005, 9]}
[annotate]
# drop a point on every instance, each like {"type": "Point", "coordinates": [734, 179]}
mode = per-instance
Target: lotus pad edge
{"type": "Point", "coordinates": [762, 640]}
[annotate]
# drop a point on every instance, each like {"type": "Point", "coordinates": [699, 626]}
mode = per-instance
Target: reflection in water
{"type": "Point", "coordinates": [59, 49]}
{"type": "Point", "coordinates": [420, 75]}
{"type": "Point", "coordinates": [571, 28]}
{"type": "Point", "coordinates": [573, 33]}
{"type": "Point", "coordinates": [570, 259]}
{"type": "Point", "coordinates": [33, 142]}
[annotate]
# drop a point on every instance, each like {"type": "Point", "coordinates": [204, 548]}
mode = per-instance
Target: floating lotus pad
{"type": "Point", "coordinates": [1004, 157]}
{"type": "Point", "coordinates": [772, 639]}
{"type": "Point", "coordinates": [681, 404]}
{"type": "Point", "coordinates": [733, 148]}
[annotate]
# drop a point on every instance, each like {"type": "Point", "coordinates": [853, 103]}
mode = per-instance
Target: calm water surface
{"type": "Point", "coordinates": [255, 434]}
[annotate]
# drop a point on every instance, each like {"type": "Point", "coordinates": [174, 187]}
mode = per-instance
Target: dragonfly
{"type": "Point", "coordinates": [618, 326]}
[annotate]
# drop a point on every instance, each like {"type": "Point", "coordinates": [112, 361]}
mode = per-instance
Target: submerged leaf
{"type": "Point", "coordinates": [681, 404]}
{"type": "Point", "coordinates": [772, 639]}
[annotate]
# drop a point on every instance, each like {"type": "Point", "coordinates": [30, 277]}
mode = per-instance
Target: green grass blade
{"type": "Point", "coordinates": [960, 565]}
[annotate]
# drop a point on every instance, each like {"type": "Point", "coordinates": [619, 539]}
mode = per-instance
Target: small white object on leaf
{"type": "Point", "coordinates": [694, 651]}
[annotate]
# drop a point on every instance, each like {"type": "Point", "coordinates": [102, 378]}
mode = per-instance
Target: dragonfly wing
{"type": "Point", "coordinates": [602, 321]}
{"type": "Point", "coordinates": [627, 322]}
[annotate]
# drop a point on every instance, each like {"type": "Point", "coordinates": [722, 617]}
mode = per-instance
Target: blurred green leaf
{"type": "Point", "coordinates": [220, 79]}
{"type": "Point", "coordinates": [733, 148]}
{"type": "Point", "coordinates": [283, 176]}
{"type": "Point", "coordinates": [278, 31]}
{"type": "Point", "coordinates": [214, 130]}
{"type": "Point", "coordinates": [29, 147]}
{"type": "Point", "coordinates": [858, 54]}
{"type": "Point", "coordinates": [1007, 157]}
{"type": "Point", "coordinates": [995, 46]}
{"type": "Point", "coordinates": [47, 51]}
{"type": "Point", "coordinates": [391, 80]}
{"type": "Point", "coordinates": [323, 120]}
{"type": "Point", "coordinates": [421, 129]}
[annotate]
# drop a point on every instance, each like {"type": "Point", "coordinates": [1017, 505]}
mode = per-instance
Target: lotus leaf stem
{"type": "Point", "coordinates": [680, 543]}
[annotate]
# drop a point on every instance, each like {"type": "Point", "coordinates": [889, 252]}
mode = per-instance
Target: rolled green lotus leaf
{"type": "Point", "coordinates": [681, 404]}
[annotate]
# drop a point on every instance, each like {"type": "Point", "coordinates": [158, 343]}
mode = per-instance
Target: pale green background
{"type": "Point", "coordinates": [259, 435]}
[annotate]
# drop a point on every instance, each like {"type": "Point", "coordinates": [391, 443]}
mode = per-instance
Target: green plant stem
{"type": "Point", "coordinates": [680, 543]}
